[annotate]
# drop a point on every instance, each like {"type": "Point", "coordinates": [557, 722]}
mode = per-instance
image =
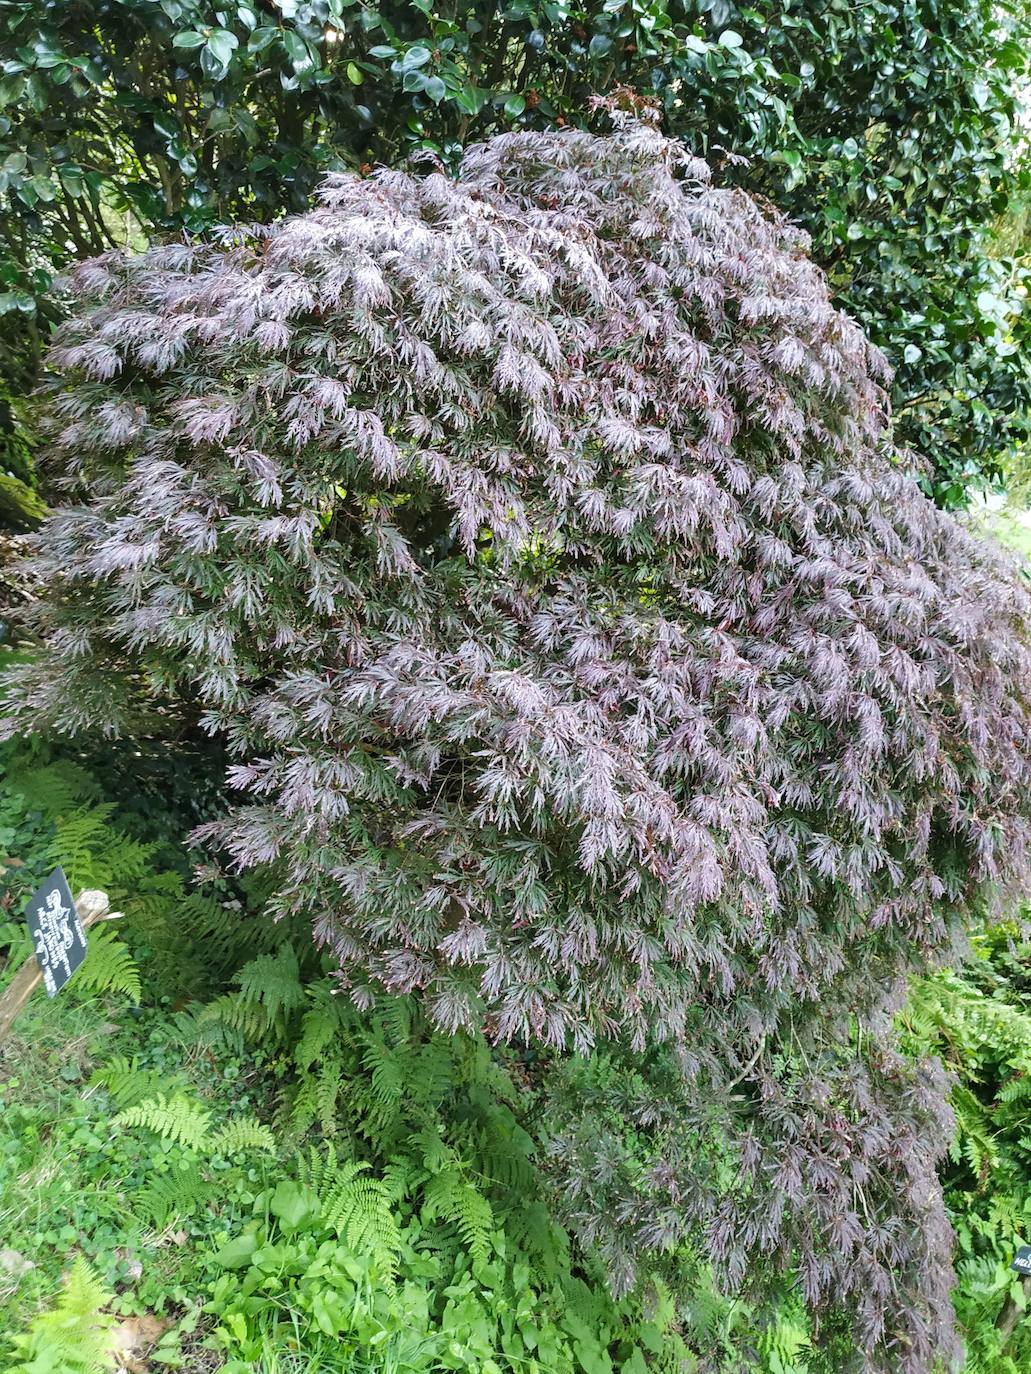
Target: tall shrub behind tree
{"type": "Point", "coordinates": [590, 668]}
{"type": "Point", "coordinates": [887, 130]}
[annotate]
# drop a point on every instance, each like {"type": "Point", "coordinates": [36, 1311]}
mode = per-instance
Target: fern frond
{"type": "Point", "coordinates": [436, 1072]}
{"type": "Point", "coordinates": [175, 1118]}
{"type": "Point", "coordinates": [399, 1179]}
{"type": "Point", "coordinates": [532, 1228]}
{"type": "Point", "coordinates": [386, 1069]}
{"type": "Point", "coordinates": [327, 1085]}
{"type": "Point", "coordinates": [16, 944]}
{"type": "Point", "coordinates": [55, 788]}
{"type": "Point", "coordinates": [300, 1107]}
{"type": "Point", "coordinates": [243, 1133]}
{"type": "Point", "coordinates": [506, 1151]}
{"type": "Point", "coordinates": [358, 1209]}
{"type": "Point", "coordinates": [176, 1193]}
{"type": "Point", "coordinates": [128, 1084]}
{"type": "Point", "coordinates": [394, 1016]}
{"type": "Point", "coordinates": [316, 1170]}
{"type": "Point", "coordinates": [76, 1335]}
{"type": "Point", "coordinates": [429, 1146]}
{"type": "Point", "coordinates": [320, 1026]}
{"type": "Point", "coordinates": [94, 853]}
{"type": "Point", "coordinates": [108, 966]}
{"type": "Point", "coordinates": [273, 982]}
{"type": "Point", "coordinates": [450, 1197]}
{"type": "Point", "coordinates": [236, 1013]}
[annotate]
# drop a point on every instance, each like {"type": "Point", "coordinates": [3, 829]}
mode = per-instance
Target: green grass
{"type": "Point", "coordinates": [73, 1183]}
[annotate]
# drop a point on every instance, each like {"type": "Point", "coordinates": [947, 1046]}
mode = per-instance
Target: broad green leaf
{"type": "Point", "coordinates": [222, 44]}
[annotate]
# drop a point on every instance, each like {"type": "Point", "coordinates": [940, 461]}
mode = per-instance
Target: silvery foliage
{"type": "Point", "coordinates": [533, 540]}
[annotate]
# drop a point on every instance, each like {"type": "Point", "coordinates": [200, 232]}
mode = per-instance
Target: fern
{"type": "Point", "coordinates": [231, 1012]}
{"type": "Point", "coordinates": [75, 1336]}
{"type": "Point", "coordinates": [108, 966]}
{"type": "Point", "coordinates": [317, 1169]}
{"type": "Point", "coordinates": [395, 1018]}
{"type": "Point", "coordinates": [386, 1069]}
{"type": "Point", "coordinates": [300, 1104]}
{"type": "Point", "coordinates": [95, 854]}
{"type": "Point", "coordinates": [320, 1026]}
{"type": "Point", "coordinates": [16, 944]}
{"type": "Point", "coordinates": [532, 1229]}
{"type": "Point", "coordinates": [242, 1133]}
{"type": "Point", "coordinates": [327, 1084]}
{"type": "Point", "coordinates": [506, 1150]}
{"type": "Point", "coordinates": [272, 982]}
{"type": "Point", "coordinates": [175, 1194]}
{"type": "Point", "coordinates": [358, 1208]}
{"type": "Point", "coordinates": [178, 1118]}
{"type": "Point", "coordinates": [128, 1084]}
{"type": "Point", "coordinates": [55, 789]}
{"type": "Point", "coordinates": [450, 1197]}
{"type": "Point", "coordinates": [429, 1146]}
{"type": "Point", "coordinates": [173, 1118]}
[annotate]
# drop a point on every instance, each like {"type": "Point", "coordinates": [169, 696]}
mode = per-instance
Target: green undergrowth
{"type": "Point", "coordinates": [203, 1140]}
{"type": "Point", "coordinates": [156, 1149]}
{"type": "Point", "coordinates": [977, 1020]}
{"type": "Point", "coordinates": [270, 1179]}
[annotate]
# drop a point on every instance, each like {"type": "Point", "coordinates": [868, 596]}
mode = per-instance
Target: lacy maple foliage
{"type": "Point", "coordinates": [594, 670]}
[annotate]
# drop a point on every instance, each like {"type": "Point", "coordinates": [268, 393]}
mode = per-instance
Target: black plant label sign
{"type": "Point", "coordinates": [1022, 1260]}
{"type": "Point", "coordinates": [57, 934]}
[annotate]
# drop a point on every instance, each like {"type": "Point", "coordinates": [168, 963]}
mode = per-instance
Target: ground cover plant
{"type": "Point", "coordinates": [534, 543]}
{"type": "Point", "coordinates": [977, 1020]}
{"type": "Point", "coordinates": [150, 1217]}
{"type": "Point", "coordinates": [390, 1203]}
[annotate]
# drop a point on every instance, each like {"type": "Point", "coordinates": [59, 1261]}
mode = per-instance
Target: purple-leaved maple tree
{"type": "Point", "coordinates": [535, 542]}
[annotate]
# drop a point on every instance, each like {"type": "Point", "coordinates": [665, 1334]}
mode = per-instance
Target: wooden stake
{"type": "Point", "coordinates": [92, 907]}
{"type": "Point", "coordinates": [1011, 1313]}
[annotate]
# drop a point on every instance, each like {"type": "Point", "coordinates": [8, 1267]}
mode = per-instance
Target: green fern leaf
{"type": "Point", "coordinates": [75, 1336]}
{"type": "Point", "coordinates": [175, 1194]}
{"type": "Point", "coordinates": [108, 966]}
{"type": "Point", "coordinates": [273, 982]}
{"type": "Point", "coordinates": [128, 1084]}
{"type": "Point", "coordinates": [451, 1197]}
{"type": "Point", "coordinates": [320, 1026]}
{"type": "Point", "coordinates": [328, 1083]}
{"type": "Point", "coordinates": [243, 1133]}
{"type": "Point", "coordinates": [358, 1209]}
{"type": "Point", "coordinates": [175, 1118]}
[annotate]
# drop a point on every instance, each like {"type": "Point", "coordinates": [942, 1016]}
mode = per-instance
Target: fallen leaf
{"type": "Point", "coordinates": [133, 1337]}
{"type": "Point", "coordinates": [14, 1263]}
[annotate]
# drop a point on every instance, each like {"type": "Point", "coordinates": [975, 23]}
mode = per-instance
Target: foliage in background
{"type": "Point", "coordinates": [56, 808]}
{"type": "Point", "coordinates": [587, 666]}
{"type": "Point", "coordinates": [889, 130]}
{"type": "Point", "coordinates": [977, 1020]}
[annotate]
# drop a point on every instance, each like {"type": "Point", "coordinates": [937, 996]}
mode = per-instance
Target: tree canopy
{"type": "Point", "coordinates": [886, 129]}
{"type": "Point", "coordinates": [534, 541]}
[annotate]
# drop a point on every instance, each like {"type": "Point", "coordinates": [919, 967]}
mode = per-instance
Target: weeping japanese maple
{"type": "Point", "coordinates": [533, 540]}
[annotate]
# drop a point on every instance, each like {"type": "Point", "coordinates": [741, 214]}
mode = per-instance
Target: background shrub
{"type": "Point", "coordinates": [891, 131]}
